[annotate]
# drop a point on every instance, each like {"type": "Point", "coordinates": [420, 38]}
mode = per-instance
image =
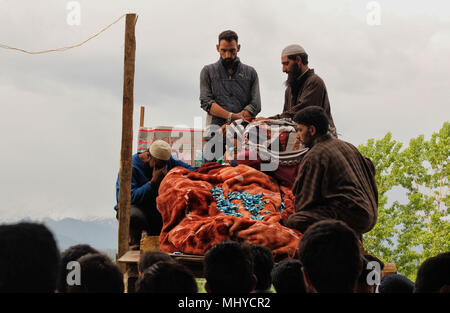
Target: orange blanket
{"type": "Point", "coordinates": [192, 221]}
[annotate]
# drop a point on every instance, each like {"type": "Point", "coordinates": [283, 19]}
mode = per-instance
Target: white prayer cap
{"type": "Point", "coordinates": [160, 150]}
{"type": "Point", "coordinates": [292, 50]}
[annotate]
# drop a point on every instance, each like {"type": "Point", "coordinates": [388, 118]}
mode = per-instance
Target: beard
{"type": "Point", "coordinates": [293, 75]}
{"type": "Point", "coordinates": [308, 140]}
{"type": "Point", "coordinates": [229, 62]}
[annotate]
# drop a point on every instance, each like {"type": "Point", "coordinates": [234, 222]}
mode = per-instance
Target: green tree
{"type": "Point", "coordinates": [383, 154]}
{"type": "Point", "coordinates": [411, 232]}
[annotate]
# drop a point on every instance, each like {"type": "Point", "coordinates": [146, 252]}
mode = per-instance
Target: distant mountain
{"type": "Point", "coordinates": [101, 234]}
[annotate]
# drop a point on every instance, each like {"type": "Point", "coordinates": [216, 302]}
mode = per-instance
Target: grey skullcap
{"type": "Point", "coordinates": [292, 50]}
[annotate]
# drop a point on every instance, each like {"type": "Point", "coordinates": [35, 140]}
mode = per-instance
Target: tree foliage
{"type": "Point", "coordinates": [409, 233]}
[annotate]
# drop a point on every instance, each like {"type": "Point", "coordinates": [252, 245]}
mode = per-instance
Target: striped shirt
{"type": "Point", "coordinates": [335, 181]}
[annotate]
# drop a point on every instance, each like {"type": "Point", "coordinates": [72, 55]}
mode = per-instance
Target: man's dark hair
{"type": "Point", "coordinates": [98, 274]}
{"type": "Point", "coordinates": [395, 283]}
{"type": "Point", "coordinates": [287, 277]}
{"type": "Point", "coordinates": [228, 35]}
{"type": "Point", "coordinates": [29, 258]}
{"type": "Point", "coordinates": [149, 258]}
{"type": "Point", "coordinates": [313, 115]}
{"type": "Point", "coordinates": [329, 252]}
{"type": "Point", "coordinates": [148, 150]}
{"type": "Point", "coordinates": [228, 267]}
{"type": "Point", "coordinates": [72, 253]}
{"type": "Point", "coordinates": [433, 274]}
{"type": "Point", "coordinates": [166, 277]}
{"type": "Point", "coordinates": [262, 266]}
{"type": "Point", "coordinates": [303, 57]}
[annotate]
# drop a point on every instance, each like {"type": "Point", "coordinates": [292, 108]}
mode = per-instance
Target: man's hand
{"type": "Point", "coordinates": [158, 175]}
{"type": "Point", "coordinates": [246, 114]}
{"type": "Point", "coordinates": [223, 128]}
{"type": "Point", "coordinates": [237, 116]}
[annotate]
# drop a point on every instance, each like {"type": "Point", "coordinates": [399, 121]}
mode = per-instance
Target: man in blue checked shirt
{"type": "Point", "coordinates": [148, 170]}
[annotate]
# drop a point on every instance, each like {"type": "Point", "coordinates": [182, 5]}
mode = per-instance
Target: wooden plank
{"type": "Point", "coordinates": [192, 262]}
{"type": "Point", "coordinates": [141, 122]}
{"type": "Point", "coordinates": [389, 268]}
{"type": "Point", "coordinates": [149, 243]}
{"type": "Point", "coordinates": [127, 134]}
{"type": "Point", "coordinates": [188, 257]}
{"type": "Point", "coordinates": [131, 276]}
{"type": "Point", "coordinates": [131, 256]}
{"type": "Point", "coordinates": [131, 260]}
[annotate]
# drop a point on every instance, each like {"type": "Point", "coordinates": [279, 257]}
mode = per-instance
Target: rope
{"type": "Point", "coordinates": [64, 48]}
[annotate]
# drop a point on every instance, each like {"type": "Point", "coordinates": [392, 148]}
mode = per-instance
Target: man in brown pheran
{"type": "Point", "coordinates": [304, 88]}
{"type": "Point", "coordinates": [334, 181]}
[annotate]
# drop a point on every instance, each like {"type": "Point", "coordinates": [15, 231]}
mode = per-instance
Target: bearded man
{"type": "Point", "coordinates": [335, 180]}
{"type": "Point", "coordinates": [229, 91]}
{"type": "Point", "coordinates": [304, 88]}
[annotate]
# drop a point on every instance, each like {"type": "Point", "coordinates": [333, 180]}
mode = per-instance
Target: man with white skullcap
{"type": "Point", "coordinates": [149, 169]}
{"type": "Point", "coordinates": [303, 87]}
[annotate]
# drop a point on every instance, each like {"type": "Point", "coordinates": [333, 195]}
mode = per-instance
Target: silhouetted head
{"type": "Point", "coordinates": [287, 277]}
{"type": "Point", "coordinates": [434, 275]}
{"type": "Point", "coordinates": [329, 252]}
{"type": "Point", "coordinates": [228, 267]}
{"type": "Point", "coordinates": [166, 277]}
{"type": "Point", "coordinates": [29, 258]}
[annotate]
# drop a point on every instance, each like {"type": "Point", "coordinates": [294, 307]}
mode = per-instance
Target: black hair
{"type": "Point", "coordinates": [29, 258]}
{"type": "Point", "coordinates": [303, 57]}
{"type": "Point", "coordinates": [167, 277]}
{"type": "Point", "coordinates": [395, 283]}
{"type": "Point", "coordinates": [262, 266]}
{"type": "Point", "coordinates": [149, 258]}
{"type": "Point", "coordinates": [228, 267]}
{"type": "Point", "coordinates": [433, 274]}
{"type": "Point", "coordinates": [98, 274]}
{"type": "Point", "coordinates": [313, 116]}
{"type": "Point", "coordinates": [72, 253]}
{"type": "Point", "coordinates": [228, 35]}
{"type": "Point", "coordinates": [287, 276]}
{"type": "Point", "coordinates": [329, 252]}
{"type": "Point", "coordinates": [148, 150]}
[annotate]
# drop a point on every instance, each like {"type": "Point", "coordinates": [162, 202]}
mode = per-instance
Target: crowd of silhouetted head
{"type": "Point", "coordinates": [329, 261]}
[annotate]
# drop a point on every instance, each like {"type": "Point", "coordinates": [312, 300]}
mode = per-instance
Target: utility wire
{"type": "Point", "coordinates": [64, 48]}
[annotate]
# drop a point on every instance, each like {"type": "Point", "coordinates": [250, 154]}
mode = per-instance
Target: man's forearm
{"type": "Point", "coordinates": [217, 110]}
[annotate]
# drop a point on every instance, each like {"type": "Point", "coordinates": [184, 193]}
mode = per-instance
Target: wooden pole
{"type": "Point", "coordinates": [127, 135]}
{"type": "Point", "coordinates": [141, 124]}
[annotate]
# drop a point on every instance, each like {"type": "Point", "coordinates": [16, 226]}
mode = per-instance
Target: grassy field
{"type": "Point", "coordinates": [201, 285]}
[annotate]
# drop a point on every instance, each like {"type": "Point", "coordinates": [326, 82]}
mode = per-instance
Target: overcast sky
{"type": "Point", "coordinates": [60, 113]}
